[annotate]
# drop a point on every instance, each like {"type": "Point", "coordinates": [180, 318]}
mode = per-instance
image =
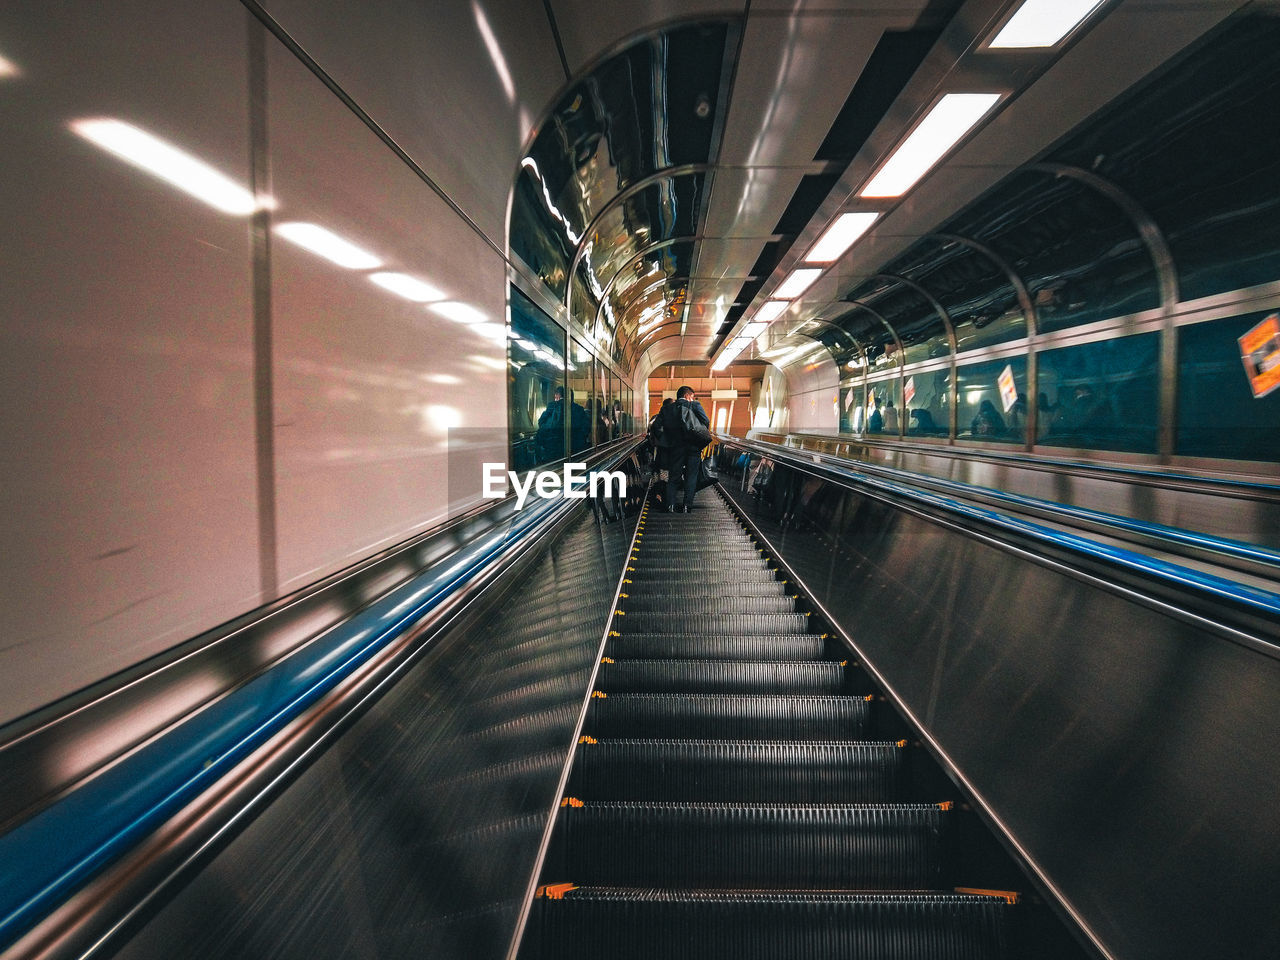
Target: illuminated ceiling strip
{"type": "Point", "coordinates": [1042, 23]}
{"type": "Point", "coordinates": [772, 310]}
{"type": "Point", "coordinates": [942, 128]}
{"type": "Point", "coordinates": [165, 161]}
{"type": "Point", "coordinates": [796, 284]}
{"type": "Point", "coordinates": [840, 236]}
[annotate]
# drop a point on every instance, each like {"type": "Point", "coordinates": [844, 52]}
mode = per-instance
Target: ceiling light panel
{"type": "Point", "coordinates": [840, 236]}
{"type": "Point", "coordinates": [1042, 23]}
{"type": "Point", "coordinates": [796, 284]}
{"type": "Point", "coordinates": [942, 128]}
{"type": "Point", "coordinates": [772, 310]}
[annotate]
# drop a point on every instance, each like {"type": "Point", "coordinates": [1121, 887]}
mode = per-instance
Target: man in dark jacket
{"type": "Point", "coordinates": [684, 455]}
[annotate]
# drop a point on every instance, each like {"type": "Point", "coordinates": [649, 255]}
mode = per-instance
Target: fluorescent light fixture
{"type": "Point", "coordinates": [796, 284]}
{"type": "Point", "coordinates": [840, 236]}
{"type": "Point", "coordinates": [8, 68]}
{"type": "Point", "coordinates": [318, 240]}
{"type": "Point", "coordinates": [754, 328]}
{"type": "Point", "coordinates": [403, 285]}
{"type": "Point", "coordinates": [175, 167]}
{"type": "Point", "coordinates": [458, 312]}
{"type": "Point", "coordinates": [942, 128]}
{"type": "Point", "coordinates": [1042, 23]}
{"type": "Point", "coordinates": [772, 310]}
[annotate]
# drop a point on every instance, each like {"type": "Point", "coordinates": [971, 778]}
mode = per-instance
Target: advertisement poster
{"type": "Point", "coordinates": [909, 390]}
{"type": "Point", "coordinates": [1260, 351]}
{"type": "Point", "coordinates": [1008, 391]}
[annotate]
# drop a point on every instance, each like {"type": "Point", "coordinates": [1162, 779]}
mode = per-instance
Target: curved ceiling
{"type": "Point", "coordinates": [680, 179]}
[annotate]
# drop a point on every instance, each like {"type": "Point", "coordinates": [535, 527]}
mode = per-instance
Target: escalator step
{"type": "Point", "coordinates": [653, 601]}
{"type": "Point", "coordinates": [721, 676]}
{"type": "Point", "coordinates": [728, 716]}
{"type": "Point", "coordinates": [713, 623]}
{"type": "Point", "coordinates": [642, 924]}
{"type": "Point", "coordinates": [690, 567]}
{"type": "Point", "coordinates": [720, 581]}
{"type": "Point", "coordinates": [677, 591]}
{"type": "Point", "coordinates": [765, 771]}
{"type": "Point", "coordinates": [672, 646]}
{"type": "Point", "coordinates": [750, 846]}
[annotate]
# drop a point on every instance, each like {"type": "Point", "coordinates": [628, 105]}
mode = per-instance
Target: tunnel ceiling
{"type": "Point", "coordinates": [679, 181]}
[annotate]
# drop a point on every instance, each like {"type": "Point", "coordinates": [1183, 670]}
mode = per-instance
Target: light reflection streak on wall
{"type": "Point", "coordinates": [495, 52]}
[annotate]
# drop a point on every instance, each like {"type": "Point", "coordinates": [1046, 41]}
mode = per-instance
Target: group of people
{"type": "Point", "coordinates": [678, 432]}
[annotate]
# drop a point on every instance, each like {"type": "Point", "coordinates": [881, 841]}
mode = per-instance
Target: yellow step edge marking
{"type": "Point", "coordinates": [902, 743]}
{"type": "Point", "coordinates": [946, 805]}
{"type": "Point", "coordinates": [621, 613]}
{"type": "Point", "coordinates": [869, 697]}
{"type": "Point", "coordinates": [631, 569]}
{"type": "Point", "coordinates": [610, 660]}
{"type": "Point", "coordinates": [1008, 896]}
{"type": "Point", "coordinates": [626, 581]}
{"type": "Point", "coordinates": [571, 802]}
{"type": "Point", "coordinates": [625, 595]}
{"type": "Point", "coordinates": [614, 633]}
{"type": "Point", "coordinates": [844, 663]}
{"type": "Point", "coordinates": [556, 891]}
{"type": "Point", "coordinates": [585, 739]}
{"type": "Point", "coordinates": [599, 694]}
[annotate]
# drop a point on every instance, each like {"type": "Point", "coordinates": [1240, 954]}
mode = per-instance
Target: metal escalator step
{"type": "Point", "coordinates": [698, 551]}
{"type": "Point", "coordinates": [694, 590]}
{"type": "Point", "coordinates": [721, 676]}
{"type": "Point", "coordinates": [728, 716]}
{"type": "Point", "coordinates": [750, 846]}
{"type": "Point", "coordinates": [644, 923]}
{"type": "Point", "coordinates": [705, 577]}
{"type": "Point", "coordinates": [672, 646]}
{"type": "Point", "coordinates": [737, 771]}
{"type": "Point", "coordinates": [713, 623]}
{"type": "Point", "coordinates": [653, 601]}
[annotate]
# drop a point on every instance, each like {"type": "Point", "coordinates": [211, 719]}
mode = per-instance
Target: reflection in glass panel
{"type": "Point", "coordinates": [852, 407]}
{"type": "Point", "coordinates": [975, 292]}
{"type": "Point", "coordinates": [1100, 396]}
{"type": "Point", "coordinates": [1218, 415]}
{"type": "Point", "coordinates": [535, 385]}
{"type": "Point", "coordinates": [581, 396]}
{"type": "Point", "coordinates": [884, 407]}
{"type": "Point", "coordinates": [599, 413]}
{"type": "Point", "coordinates": [615, 407]}
{"type": "Point", "coordinates": [868, 330]}
{"type": "Point", "coordinates": [986, 410]}
{"type": "Point", "coordinates": [1080, 257]}
{"type": "Point", "coordinates": [927, 402]}
{"type": "Point", "coordinates": [661, 211]}
{"type": "Point", "coordinates": [1192, 148]}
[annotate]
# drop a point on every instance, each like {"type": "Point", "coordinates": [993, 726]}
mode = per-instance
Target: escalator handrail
{"type": "Point", "coordinates": [1236, 549]}
{"type": "Point", "coordinates": [1229, 485]}
{"type": "Point", "coordinates": [1251, 598]}
{"type": "Point", "coordinates": [46, 858]}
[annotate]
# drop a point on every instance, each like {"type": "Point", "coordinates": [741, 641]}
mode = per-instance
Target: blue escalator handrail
{"type": "Point", "coordinates": [48, 857]}
{"type": "Point", "coordinates": [1254, 599]}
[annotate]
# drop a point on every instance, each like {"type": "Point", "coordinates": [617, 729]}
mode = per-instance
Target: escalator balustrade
{"type": "Point", "coordinates": [728, 797]}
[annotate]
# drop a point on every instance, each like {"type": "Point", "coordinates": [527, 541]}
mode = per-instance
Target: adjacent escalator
{"type": "Point", "coordinates": [729, 798]}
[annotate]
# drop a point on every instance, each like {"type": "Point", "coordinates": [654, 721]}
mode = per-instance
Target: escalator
{"type": "Point", "coordinates": [729, 796]}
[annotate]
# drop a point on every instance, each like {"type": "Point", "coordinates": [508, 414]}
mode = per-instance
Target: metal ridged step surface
{"type": "Point", "coordinates": [722, 582]}
{"type": "Point", "coordinates": [662, 646]}
{"type": "Point", "coordinates": [743, 771]}
{"type": "Point", "coordinates": [656, 603]}
{"type": "Point", "coordinates": [721, 676]}
{"type": "Point", "coordinates": [752, 846]}
{"type": "Point", "coordinates": [728, 716]}
{"type": "Point", "coordinates": [693, 568]}
{"type": "Point", "coordinates": [675, 591]}
{"type": "Point", "coordinates": [691, 622]}
{"type": "Point", "coordinates": [647, 924]}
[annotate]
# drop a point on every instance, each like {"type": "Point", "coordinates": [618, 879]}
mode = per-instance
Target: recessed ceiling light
{"type": "Point", "coordinates": [772, 310]}
{"type": "Point", "coordinates": [753, 329]}
{"type": "Point", "coordinates": [1042, 23]}
{"type": "Point", "coordinates": [942, 128]}
{"type": "Point", "coordinates": [796, 284]}
{"type": "Point", "coordinates": [325, 243]}
{"type": "Point", "coordinates": [840, 236]}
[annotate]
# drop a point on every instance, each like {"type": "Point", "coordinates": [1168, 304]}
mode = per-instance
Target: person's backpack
{"type": "Point", "coordinates": [695, 431]}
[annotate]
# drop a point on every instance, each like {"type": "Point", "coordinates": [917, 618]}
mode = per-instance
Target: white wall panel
{"type": "Point", "coordinates": [457, 85]}
{"type": "Point", "coordinates": [367, 382]}
{"type": "Point", "coordinates": [127, 505]}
